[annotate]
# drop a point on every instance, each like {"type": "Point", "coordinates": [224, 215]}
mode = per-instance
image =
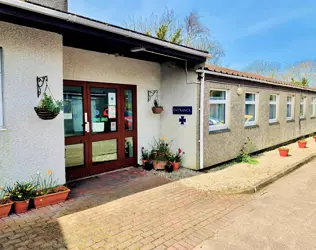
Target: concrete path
{"type": "Point", "coordinates": [283, 216]}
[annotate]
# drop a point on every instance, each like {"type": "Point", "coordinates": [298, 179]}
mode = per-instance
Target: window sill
{"type": "Point", "coordinates": [251, 126]}
{"type": "Point", "coordinates": [302, 118]}
{"type": "Point", "coordinates": [288, 121]}
{"type": "Point", "coordinates": [274, 123]}
{"type": "Point", "coordinates": [224, 130]}
{"type": "Point", "coordinates": [313, 117]}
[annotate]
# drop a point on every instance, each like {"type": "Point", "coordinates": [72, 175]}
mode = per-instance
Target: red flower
{"type": "Point", "coordinates": [179, 150]}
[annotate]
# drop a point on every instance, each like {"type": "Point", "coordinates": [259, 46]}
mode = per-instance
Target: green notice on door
{"type": "Point", "coordinates": [104, 119]}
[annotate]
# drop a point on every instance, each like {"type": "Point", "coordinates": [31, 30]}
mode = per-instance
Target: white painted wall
{"type": "Point", "coordinates": [92, 66]}
{"type": "Point", "coordinates": [176, 92]}
{"type": "Point", "coordinates": [30, 144]}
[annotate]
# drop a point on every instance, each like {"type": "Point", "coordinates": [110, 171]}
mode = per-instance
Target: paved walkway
{"type": "Point", "coordinates": [122, 210]}
{"type": "Point", "coordinates": [283, 216]}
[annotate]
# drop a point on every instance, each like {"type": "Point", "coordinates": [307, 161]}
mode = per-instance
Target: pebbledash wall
{"type": "Point", "coordinates": [83, 65]}
{"type": "Point", "coordinates": [29, 144]}
{"type": "Point", "coordinates": [221, 146]}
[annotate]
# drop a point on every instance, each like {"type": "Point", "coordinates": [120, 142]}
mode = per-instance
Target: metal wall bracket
{"type": "Point", "coordinates": [152, 93]}
{"type": "Point", "coordinates": [40, 82]}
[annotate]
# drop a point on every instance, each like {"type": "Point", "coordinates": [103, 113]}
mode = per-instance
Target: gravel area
{"type": "Point", "coordinates": [182, 173]}
{"type": "Point", "coordinates": [241, 176]}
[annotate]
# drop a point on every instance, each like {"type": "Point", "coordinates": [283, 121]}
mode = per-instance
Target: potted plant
{"type": "Point", "coordinates": [177, 159]}
{"type": "Point", "coordinates": [145, 156]}
{"type": "Point", "coordinates": [48, 192]}
{"type": "Point", "coordinates": [162, 147]}
{"type": "Point", "coordinates": [21, 193]}
{"type": "Point", "coordinates": [284, 152]}
{"type": "Point", "coordinates": [302, 143]}
{"type": "Point", "coordinates": [48, 108]}
{"type": "Point", "coordinates": [157, 108]}
{"type": "Point", "coordinates": [5, 203]}
{"type": "Point", "coordinates": [149, 165]}
{"type": "Point", "coordinates": [169, 167]}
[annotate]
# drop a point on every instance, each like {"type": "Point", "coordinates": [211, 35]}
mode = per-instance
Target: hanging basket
{"type": "Point", "coordinates": [45, 114]}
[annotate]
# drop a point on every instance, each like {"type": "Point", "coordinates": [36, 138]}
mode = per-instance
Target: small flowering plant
{"type": "Point", "coordinates": [4, 196]}
{"type": "Point", "coordinates": [45, 185]}
{"type": "Point", "coordinates": [21, 191]}
{"type": "Point", "coordinates": [179, 155]}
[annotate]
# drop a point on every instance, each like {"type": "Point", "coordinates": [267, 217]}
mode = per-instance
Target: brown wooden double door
{"type": "Point", "coordinates": [100, 125]}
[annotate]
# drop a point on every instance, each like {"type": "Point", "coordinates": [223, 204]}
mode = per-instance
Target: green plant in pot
{"type": "Point", "coordinates": [48, 108]}
{"type": "Point", "coordinates": [47, 191]}
{"type": "Point", "coordinates": [5, 202]}
{"type": "Point", "coordinates": [157, 108]}
{"type": "Point", "coordinates": [162, 149]}
{"type": "Point", "coordinates": [21, 193]}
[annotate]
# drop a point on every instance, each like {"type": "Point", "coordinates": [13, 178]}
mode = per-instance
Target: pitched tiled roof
{"type": "Point", "coordinates": [251, 76]}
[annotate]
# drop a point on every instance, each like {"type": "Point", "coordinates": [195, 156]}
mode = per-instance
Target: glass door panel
{"type": "Point", "coordinates": [73, 111]}
{"type": "Point", "coordinates": [103, 151]}
{"type": "Point", "coordinates": [128, 109]}
{"type": "Point", "coordinates": [74, 155]}
{"type": "Point", "coordinates": [103, 110]}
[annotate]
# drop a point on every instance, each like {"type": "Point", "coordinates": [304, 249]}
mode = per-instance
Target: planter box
{"type": "Point", "coordinates": [5, 209]}
{"type": "Point", "coordinates": [159, 164]}
{"type": "Point", "coordinates": [21, 206]}
{"type": "Point", "coordinates": [50, 199]}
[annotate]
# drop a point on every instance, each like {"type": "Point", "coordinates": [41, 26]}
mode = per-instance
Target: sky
{"type": "Point", "coordinates": [282, 31]}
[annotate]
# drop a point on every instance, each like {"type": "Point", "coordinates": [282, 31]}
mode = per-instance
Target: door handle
{"type": "Point", "coordinates": [87, 124]}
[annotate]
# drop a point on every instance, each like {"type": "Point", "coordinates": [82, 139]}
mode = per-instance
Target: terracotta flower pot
{"type": "Point", "coordinates": [50, 199]}
{"type": "Point", "coordinates": [157, 110]}
{"type": "Point", "coordinates": [5, 209]}
{"type": "Point", "coordinates": [302, 144]}
{"type": "Point", "coordinates": [283, 152]}
{"type": "Point", "coordinates": [144, 162]}
{"type": "Point", "coordinates": [176, 166]}
{"type": "Point", "coordinates": [21, 206]}
{"type": "Point", "coordinates": [159, 164]}
{"type": "Point", "coordinates": [315, 138]}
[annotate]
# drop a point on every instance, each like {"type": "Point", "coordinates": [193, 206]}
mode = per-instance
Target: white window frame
{"type": "Point", "coordinates": [303, 101]}
{"type": "Point", "coordinates": [313, 106]}
{"type": "Point", "coordinates": [292, 103]}
{"type": "Point", "coordinates": [1, 91]}
{"type": "Point", "coordinates": [220, 126]}
{"type": "Point", "coordinates": [276, 103]}
{"type": "Point", "coordinates": [255, 102]}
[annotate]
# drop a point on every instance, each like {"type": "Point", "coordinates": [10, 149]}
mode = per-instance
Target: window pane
{"type": "Point", "coordinates": [250, 114]}
{"type": "Point", "coordinates": [73, 111]}
{"type": "Point", "coordinates": [218, 95]}
{"type": "Point", "coordinates": [301, 109]}
{"type": "Point", "coordinates": [74, 155]}
{"type": "Point", "coordinates": [129, 147]}
{"type": "Point", "coordinates": [104, 151]}
{"type": "Point", "coordinates": [128, 109]}
{"type": "Point", "coordinates": [272, 113]}
{"type": "Point", "coordinates": [103, 110]}
{"type": "Point", "coordinates": [250, 97]}
{"type": "Point", "coordinates": [289, 111]}
{"type": "Point", "coordinates": [217, 114]}
{"type": "Point", "coordinates": [273, 98]}
{"type": "Point", "coordinates": [289, 99]}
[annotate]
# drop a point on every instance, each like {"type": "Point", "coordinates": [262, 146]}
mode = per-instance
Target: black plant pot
{"type": "Point", "coordinates": [169, 167]}
{"type": "Point", "coordinates": [149, 166]}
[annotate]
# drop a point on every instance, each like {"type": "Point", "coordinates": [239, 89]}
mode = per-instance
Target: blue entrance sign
{"type": "Point", "coordinates": [182, 110]}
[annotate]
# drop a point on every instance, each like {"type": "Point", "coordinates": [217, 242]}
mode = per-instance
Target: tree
{"type": "Point", "coordinates": [190, 32]}
{"type": "Point", "coordinates": [264, 68]}
{"type": "Point", "coordinates": [301, 71]}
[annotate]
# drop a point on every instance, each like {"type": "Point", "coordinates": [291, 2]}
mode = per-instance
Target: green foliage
{"type": "Point", "coordinates": [44, 185]}
{"type": "Point", "coordinates": [244, 155]}
{"type": "Point", "coordinates": [48, 103]}
{"type": "Point", "coordinates": [162, 32]}
{"type": "Point", "coordinates": [4, 196]}
{"type": "Point", "coordinates": [145, 154]}
{"type": "Point", "coordinates": [156, 104]}
{"type": "Point", "coordinates": [21, 191]}
{"type": "Point", "coordinates": [176, 38]}
{"type": "Point", "coordinates": [303, 82]}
